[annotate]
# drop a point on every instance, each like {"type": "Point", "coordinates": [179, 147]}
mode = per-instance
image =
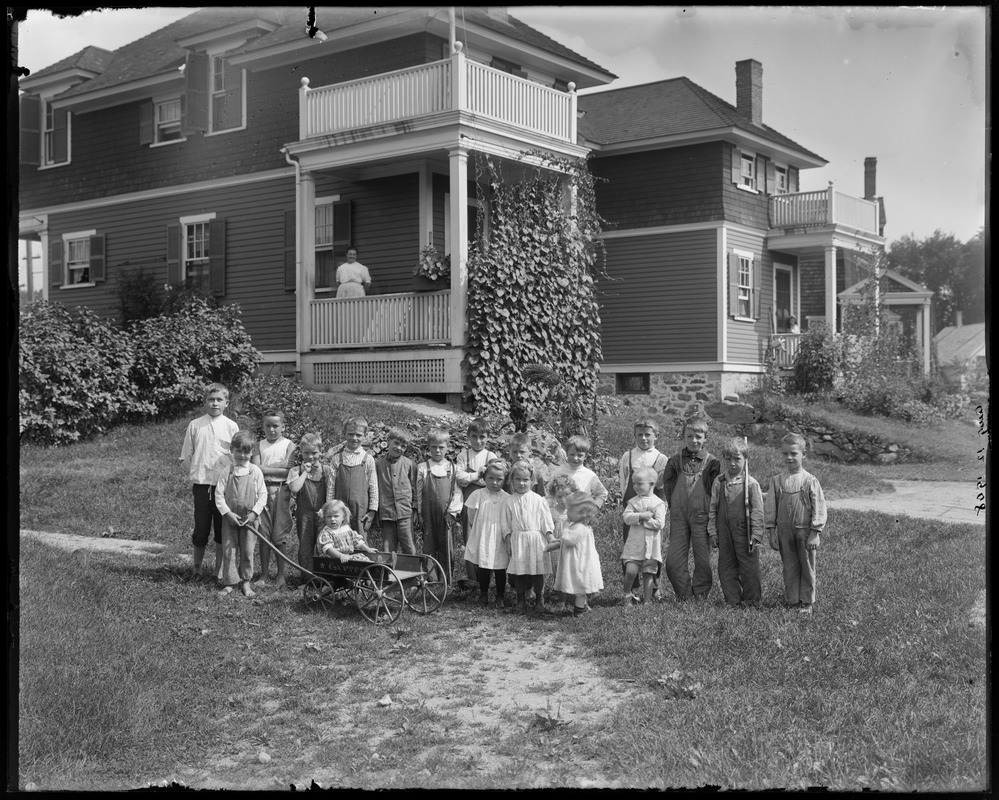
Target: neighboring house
{"type": "Point", "coordinates": [232, 152]}
{"type": "Point", "coordinates": [905, 309]}
{"type": "Point", "coordinates": [960, 353]}
{"type": "Point", "coordinates": [711, 245]}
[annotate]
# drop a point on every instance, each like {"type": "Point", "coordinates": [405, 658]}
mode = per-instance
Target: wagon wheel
{"type": "Point", "coordinates": [379, 594]}
{"type": "Point", "coordinates": [318, 592]}
{"type": "Point", "coordinates": [426, 593]}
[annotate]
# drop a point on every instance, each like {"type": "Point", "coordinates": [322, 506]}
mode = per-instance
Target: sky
{"type": "Point", "coordinates": [904, 85]}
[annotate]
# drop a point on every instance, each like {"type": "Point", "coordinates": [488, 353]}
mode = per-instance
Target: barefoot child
{"type": "Point", "coordinates": [471, 465]}
{"type": "Point", "coordinates": [486, 547]}
{"type": "Point", "coordinates": [274, 455]}
{"type": "Point", "coordinates": [240, 496]}
{"type": "Point", "coordinates": [687, 482]}
{"type": "Point", "coordinates": [438, 498]}
{"type": "Point", "coordinates": [528, 528]}
{"type": "Point", "coordinates": [645, 515]}
{"type": "Point", "coordinates": [205, 453]}
{"type": "Point", "coordinates": [311, 485]}
{"type": "Point", "coordinates": [738, 555]}
{"type": "Point", "coordinates": [795, 515]}
{"type": "Point", "coordinates": [396, 494]}
{"type": "Point", "coordinates": [579, 572]}
{"type": "Point", "coordinates": [337, 539]}
{"type": "Point", "coordinates": [354, 480]}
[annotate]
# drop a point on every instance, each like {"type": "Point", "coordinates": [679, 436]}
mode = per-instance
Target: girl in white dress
{"type": "Point", "coordinates": [578, 564]}
{"type": "Point", "coordinates": [486, 547]}
{"type": "Point", "coordinates": [528, 528]}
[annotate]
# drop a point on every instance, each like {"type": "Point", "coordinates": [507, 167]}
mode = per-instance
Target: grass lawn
{"type": "Point", "coordinates": [128, 673]}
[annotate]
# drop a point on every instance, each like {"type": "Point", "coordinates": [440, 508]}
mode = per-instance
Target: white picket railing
{"type": "Point", "coordinates": [381, 320]}
{"type": "Point", "coordinates": [454, 84]}
{"type": "Point", "coordinates": [824, 207]}
{"type": "Point", "coordinates": [785, 348]}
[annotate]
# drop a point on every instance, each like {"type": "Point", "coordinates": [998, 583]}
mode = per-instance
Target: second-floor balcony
{"type": "Point", "coordinates": [801, 212]}
{"type": "Point", "coordinates": [428, 91]}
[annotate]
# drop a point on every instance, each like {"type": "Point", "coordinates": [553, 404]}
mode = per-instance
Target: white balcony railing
{"type": "Point", "coordinates": [785, 349]}
{"type": "Point", "coordinates": [824, 207]}
{"type": "Point", "coordinates": [381, 320]}
{"type": "Point", "coordinates": [454, 84]}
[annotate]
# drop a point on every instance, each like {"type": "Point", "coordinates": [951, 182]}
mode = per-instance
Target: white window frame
{"type": "Point", "coordinates": [68, 240]}
{"type": "Point", "coordinates": [781, 170]}
{"type": "Point", "coordinates": [216, 57]}
{"type": "Point", "coordinates": [749, 180]}
{"type": "Point", "coordinates": [205, 260]}
{"type": "Point", "coordinates": [794, 282]}
{"type": "Point", "coordinates": [325, 203]}
{"type": "Point", "coordinates": [745, 289]}
{"type": "Point", "coordinates": [157, 126]}
{"type": "Point", "coordinates": [46, 132]}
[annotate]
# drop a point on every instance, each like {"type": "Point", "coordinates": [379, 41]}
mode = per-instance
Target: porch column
{"type": "Point", "coordinates": [426, 190]}
{"type": "Point", "coordinates": [830, 253]}
{"type": "Point", "coordinates": [924, 312]}
{"type": "Point", "coordinates": [306, 283]}
{"type": "Point", "coordinates": [459, 243]}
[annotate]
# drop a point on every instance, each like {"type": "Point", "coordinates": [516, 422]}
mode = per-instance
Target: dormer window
{"type": "Point", "coordinates": [747, 175]}
{"type": "Point", "coordinates": [167, 122]}
{"type": "Point", "coordinates": [214, 96]}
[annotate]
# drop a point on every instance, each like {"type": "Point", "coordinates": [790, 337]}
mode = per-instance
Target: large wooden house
{"type": "Point", "coordinates": [233, 152]}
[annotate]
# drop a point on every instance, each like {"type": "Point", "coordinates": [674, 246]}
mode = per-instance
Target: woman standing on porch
{"type": "Point", "coordinates": [352, 277]}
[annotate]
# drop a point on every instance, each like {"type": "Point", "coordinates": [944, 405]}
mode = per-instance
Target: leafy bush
{"type": "Point", "coordinates": [177, 355]}
{"type": "Point", "coordinates": [80, 374]}
{"type": "Point", "coordinates": [142, 296]}
{"type": "Point", "coordinates": [73, 375]}
{"type": "Point", "coordinates": [818, 361]}
{"type": "Point", "coordinates": [886, 396]}
{"type": "Point", "coordinates": [273, 393]}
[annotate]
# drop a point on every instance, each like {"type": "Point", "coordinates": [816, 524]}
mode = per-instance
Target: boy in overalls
{"type": "Point", "coordinates": [438, 498]}
{"type": "Point", "coordinates": [355, 482]}
{"type": "Point", "coordinates": [687, 482]}
{"type": "Point", "coordinates": [240, 496]}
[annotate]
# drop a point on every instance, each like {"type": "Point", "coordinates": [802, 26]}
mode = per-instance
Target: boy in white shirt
{"type": "Point", "coordinates": [643, 454]}
{"type": "Point", "coordinates": [205, 453]}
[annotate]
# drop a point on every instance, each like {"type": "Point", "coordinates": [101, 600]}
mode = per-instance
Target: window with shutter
{"type": "Point", "coordinates": [226, 96]}
{"type": "Point", "coordinates": [30, 113]}
{"type": "Point", "coordinates": [78, 260]}
{"type": "Point", "coordinates": [290, 252]}
{"type": "Point", "coordinates": [55, 135]}
{"type": "Point", "coordinates": [332, 240]}
{"type": "Point", "coordinates": [195, 108]}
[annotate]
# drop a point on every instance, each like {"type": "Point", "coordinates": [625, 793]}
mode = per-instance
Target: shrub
{"type": "Point", "coordinates": [142, 296]}
{"type": "Point", "coordinates": [176, 355]}
{"type": "Point", "coordinates": [270, 392]}
{"type": "Point", "coordinates": [818, 361]}
{"type": "Point", "coordinates": [73, 375]}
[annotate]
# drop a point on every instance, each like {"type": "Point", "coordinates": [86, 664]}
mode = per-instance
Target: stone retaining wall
{"type": "Point", "coordinates": [677, 393]}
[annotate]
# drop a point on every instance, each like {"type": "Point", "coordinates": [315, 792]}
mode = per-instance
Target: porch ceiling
{"type": "Point", "coordinates": [800, 241]}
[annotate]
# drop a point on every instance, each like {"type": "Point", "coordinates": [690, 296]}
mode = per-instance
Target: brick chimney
{"type": "Point", "coordinates": [749, 89]}
{"type": "Point", "coordinates": [870, 178]}
{"type": "Point", "coordinates": [958, 319]}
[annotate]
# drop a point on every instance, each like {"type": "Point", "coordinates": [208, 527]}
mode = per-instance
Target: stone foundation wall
{"type": "Point", "coordinates": [848, 446]}
{"type": "Point", "coordinates": [677, 393]}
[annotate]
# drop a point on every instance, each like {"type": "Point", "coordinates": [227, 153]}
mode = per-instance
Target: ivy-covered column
{"type": "Point", "coordinates": [459, 243]}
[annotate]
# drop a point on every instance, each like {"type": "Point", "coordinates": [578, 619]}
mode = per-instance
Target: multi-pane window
{"type": "Point", "coordinates": [55, 135]}
{"type": "Point", "coordinates": [748, 173]}
{"type": "Point", "coordinates": [226, 95]}
{"type": "Point", "coordinates": [325, 268]}
{"type": "Point", "coordinates": [781, 185]}
{"type": "Point", "coordinates": [745, 282]}
{"type": "Point", "coordinates": [197, 246]}
{"type": "Point", "coordinates": [167, 120]}
{"type": "Point", "coordinates": [77, 261]}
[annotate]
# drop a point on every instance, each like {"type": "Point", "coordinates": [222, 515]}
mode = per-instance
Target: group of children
{"type": "Point", "coordinates": [517, 517]}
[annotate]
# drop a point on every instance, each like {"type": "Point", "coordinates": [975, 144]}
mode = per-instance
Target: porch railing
{"type": "Point", "coordinates": [785, 348]}
{"type": "Point", "coordinates": [454, 84]}
{"type": "Point", "coordinates": [824, 207]}
{"type": "Point", "coordinates": [381, 321]}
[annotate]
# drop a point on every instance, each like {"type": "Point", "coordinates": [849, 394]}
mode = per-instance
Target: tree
{"type": "Point", "coordinates": [954, 271]}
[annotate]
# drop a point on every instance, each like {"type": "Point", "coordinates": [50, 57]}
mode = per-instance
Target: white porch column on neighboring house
{"type": "Point", "coordinates": [307, 252]}
{"type": "Point", "coordinates": [459, 243]}
{"type": "Point", "coordinates": [830, 253]}
{"type": "Point", "coordinates": [924, 312]}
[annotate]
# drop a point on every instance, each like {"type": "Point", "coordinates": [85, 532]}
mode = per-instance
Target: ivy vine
{"type": "Point", "coordinates": [532, 276]}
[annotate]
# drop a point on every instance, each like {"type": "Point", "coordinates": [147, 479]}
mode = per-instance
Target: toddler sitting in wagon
{"type": "Point", "coordinates": [337, 539]}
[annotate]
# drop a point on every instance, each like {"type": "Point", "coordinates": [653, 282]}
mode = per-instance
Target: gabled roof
{"type": "Point", "coordinates": [895, 283]}
{"type": "Point", "coordinates": [960, 344]}
{"type": "Point", "coordinates": [159, 53]}
{"type": "Point", "coordinates": [673, 107]}
{"type": "Point", "coordinates": [91, 59]}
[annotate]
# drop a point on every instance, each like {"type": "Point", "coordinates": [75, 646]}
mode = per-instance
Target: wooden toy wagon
{"type": "Point", "coordinates": [380, 588]}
